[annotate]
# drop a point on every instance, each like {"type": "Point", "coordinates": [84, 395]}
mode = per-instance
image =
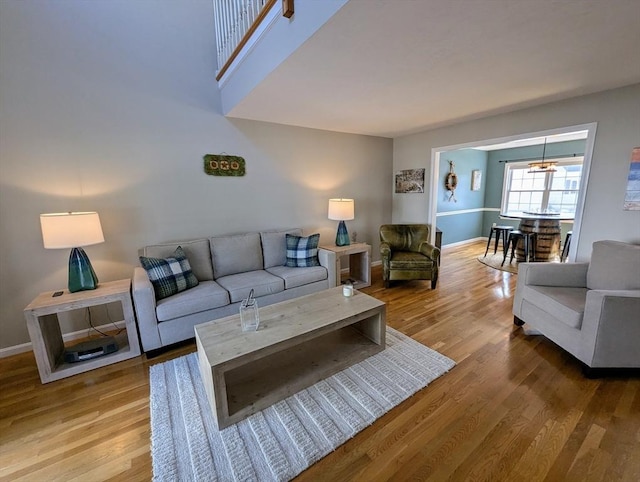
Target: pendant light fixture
{"type": "Point", "coordinates": [542, 166]}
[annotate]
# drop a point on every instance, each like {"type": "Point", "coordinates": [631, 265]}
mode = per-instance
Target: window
{"type": "Point", "coordinates": [555, 192]}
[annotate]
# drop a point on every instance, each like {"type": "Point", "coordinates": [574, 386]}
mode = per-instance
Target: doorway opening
{"type": "Point", "coordinates": [439, 211]}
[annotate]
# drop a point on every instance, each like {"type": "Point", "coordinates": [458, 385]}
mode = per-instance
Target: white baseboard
{"type": "Point", "coordinates": [466, 241]}
{"type": "Point", "coordinates": [25, 347]}
{"type": "Point", "coordinates": [373, 263]}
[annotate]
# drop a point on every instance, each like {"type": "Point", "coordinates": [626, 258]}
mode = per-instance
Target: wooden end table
{"type": "Point", "coordinates": [46, 338]}
{"type": "Point", "coordinates": [359, 263]}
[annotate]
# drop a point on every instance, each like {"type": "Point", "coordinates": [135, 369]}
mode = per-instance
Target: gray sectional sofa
{"type": "Point", "coordinates": [227, 269]}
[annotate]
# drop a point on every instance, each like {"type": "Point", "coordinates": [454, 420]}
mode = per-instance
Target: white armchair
{"type": "Point", "coordinates": [592, 310]}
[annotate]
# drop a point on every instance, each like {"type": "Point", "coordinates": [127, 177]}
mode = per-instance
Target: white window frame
{"type": "Point", "coordinates": [548, 178]}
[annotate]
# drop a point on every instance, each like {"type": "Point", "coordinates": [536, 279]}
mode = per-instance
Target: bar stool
{"type": "Point", "coordinates": [565, 248]}
{"type": "Point", "coordinates": [499, 231]}
{"type": "Point", "coordinates": [528, 242]}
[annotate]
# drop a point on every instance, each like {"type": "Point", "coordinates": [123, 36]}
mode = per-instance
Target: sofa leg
{"type": "Point", "coordinates": [593, 373]}
{"type": "Point", "coordinates": [434, 282]}
{"type": "Point", "coordinates": [517, 321]}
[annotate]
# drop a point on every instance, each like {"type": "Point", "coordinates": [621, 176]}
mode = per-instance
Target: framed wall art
{"type": "Point", "coordinates": [410, 181]}
{"type": "Point", "coordinates": [632, 193]}
{"type": "Point", "coordinates": [224, 165]}
{"type": "Point", "coordinates": [476, 180]}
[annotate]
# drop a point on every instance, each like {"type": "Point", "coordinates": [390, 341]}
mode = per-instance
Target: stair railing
{"type": "Point", "coordinates": [235, 22]}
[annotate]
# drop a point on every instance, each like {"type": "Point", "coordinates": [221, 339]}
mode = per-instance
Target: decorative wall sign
{"type": "Point", "coordinates": [410, 180]}
{"type": "Point", "coordinates": [632, 195]}
{"type": "Point", "coordinates": [224, 165]}
{"type": "Point", "coordinates": [476, 180]}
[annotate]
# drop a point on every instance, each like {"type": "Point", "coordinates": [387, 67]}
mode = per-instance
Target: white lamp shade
{"type": "Point", "coordinates": [70, 230]}
{"type": "Point", "coordinates": [341, 209]}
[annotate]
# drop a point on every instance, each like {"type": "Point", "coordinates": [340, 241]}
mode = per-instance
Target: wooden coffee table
{"type": "Point", "coordinates": [298, 343]}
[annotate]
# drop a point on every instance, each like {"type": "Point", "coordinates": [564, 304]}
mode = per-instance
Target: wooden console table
{"type": "Point", "coordinates": [44, 328]}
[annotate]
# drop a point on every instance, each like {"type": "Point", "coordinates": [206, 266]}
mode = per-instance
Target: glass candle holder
{"type": "Point", "coordinates": [249, 316]}
{"type": "Point", "coordinates": [347, 289]}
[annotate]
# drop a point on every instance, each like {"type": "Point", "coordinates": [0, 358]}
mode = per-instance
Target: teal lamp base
{"type": "Point", "coordinates": [342, 236]}
{"type": "Point", "coordinates": [81, 274]}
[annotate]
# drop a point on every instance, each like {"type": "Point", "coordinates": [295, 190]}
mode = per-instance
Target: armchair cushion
{"type": "Point", "coordinates": [409, 260]}
{"type": "Point", "coordinates": [567, 304]}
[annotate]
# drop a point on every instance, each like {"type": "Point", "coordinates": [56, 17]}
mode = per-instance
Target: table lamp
{"type": "Point", "coordinates": [341, 210]}
{"type": "Point", "coordinates": [74, 230]}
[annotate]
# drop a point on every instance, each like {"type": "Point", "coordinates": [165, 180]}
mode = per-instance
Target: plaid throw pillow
{"type": "Point", "coordinates": [171, 275]}
{"type": "Point", "coordinates": [302, 252]}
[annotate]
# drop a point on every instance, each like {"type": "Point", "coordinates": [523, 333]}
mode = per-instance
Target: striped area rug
{"type": "Point", "coordinates": [281, 441]}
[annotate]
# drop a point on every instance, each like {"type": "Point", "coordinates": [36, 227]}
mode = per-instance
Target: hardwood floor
{"type": "Point", "coordinates": [514, 408]}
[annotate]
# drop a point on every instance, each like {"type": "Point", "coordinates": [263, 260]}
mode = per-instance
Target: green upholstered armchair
{"type": "Point", "coordinates": [406, 253]}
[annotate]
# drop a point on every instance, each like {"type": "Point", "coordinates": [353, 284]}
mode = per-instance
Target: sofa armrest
{"type": "Point", "coordinates": [329, 260]}
{"type": "Point", "coordinates": [611, 328]}
{"type": "Point", "coordinates": [144, 302]}
{"type": "Point", "coordinates": [571, 275]}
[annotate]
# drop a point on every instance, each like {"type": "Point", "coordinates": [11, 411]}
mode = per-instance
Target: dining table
{"type": "Point", "coordinates": [546, 226]}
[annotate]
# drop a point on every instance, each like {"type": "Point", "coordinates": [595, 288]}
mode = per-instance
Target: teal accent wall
{"type": "Point", "coordinates": [460, 227]}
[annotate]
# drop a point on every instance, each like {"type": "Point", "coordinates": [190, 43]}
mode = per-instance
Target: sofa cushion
{"type": "Point", "coordinates": [206, 296]}
{"type": "Point", "coordinates": [294, 277]}
{"type": "Point", "coordinates": [614, 266]}
{"type": "Point", "coordinates": [564, 304]}
{"type": "Point", "coordinates": [302, 251]}
{"type": "Point", "coordinates": [262, 283]}
{"type": "Point", "coordinates": [169, 275]}
{"type": "Point", "coordinates": [197, 252]}
{"type": "Point", "coordinates": [274, 246]}
{"type": "Point", "coordinates": [235, 254]}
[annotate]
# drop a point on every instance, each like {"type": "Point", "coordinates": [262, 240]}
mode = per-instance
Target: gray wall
{"type": "Point", "coordinates": [110, 106]}
{"type": "Point", "coordinates": [616, 113]}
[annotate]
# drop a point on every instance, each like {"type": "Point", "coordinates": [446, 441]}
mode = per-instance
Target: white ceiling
{"type": "Point", "coordinates": [393, 67]}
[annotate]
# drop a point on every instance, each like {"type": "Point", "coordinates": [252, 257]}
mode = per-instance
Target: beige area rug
{"type": "Point", "coordinates": [495, 261]}
{"type": "Point", "coordinates": [279, 442]}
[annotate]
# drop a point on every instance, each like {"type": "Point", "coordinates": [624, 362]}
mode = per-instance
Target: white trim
{"type": "Point", "coordinates": [25, 347]}
{"type": "Point", "coordinates": [465, 211]}
{"type": "Point", "coordinates": [586, 165]}
{"type": "Point", "coordinates": [466, 241]}
{"type": "Point", "coordinates": [373, 263]}
{"type": "Point", "coordinates": [561, 161]}
{"type": "Point", "coordinates": [267, 23]}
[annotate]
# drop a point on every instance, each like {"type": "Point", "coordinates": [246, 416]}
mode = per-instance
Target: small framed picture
{"type": "Point", "coordinates": [476, 180]}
